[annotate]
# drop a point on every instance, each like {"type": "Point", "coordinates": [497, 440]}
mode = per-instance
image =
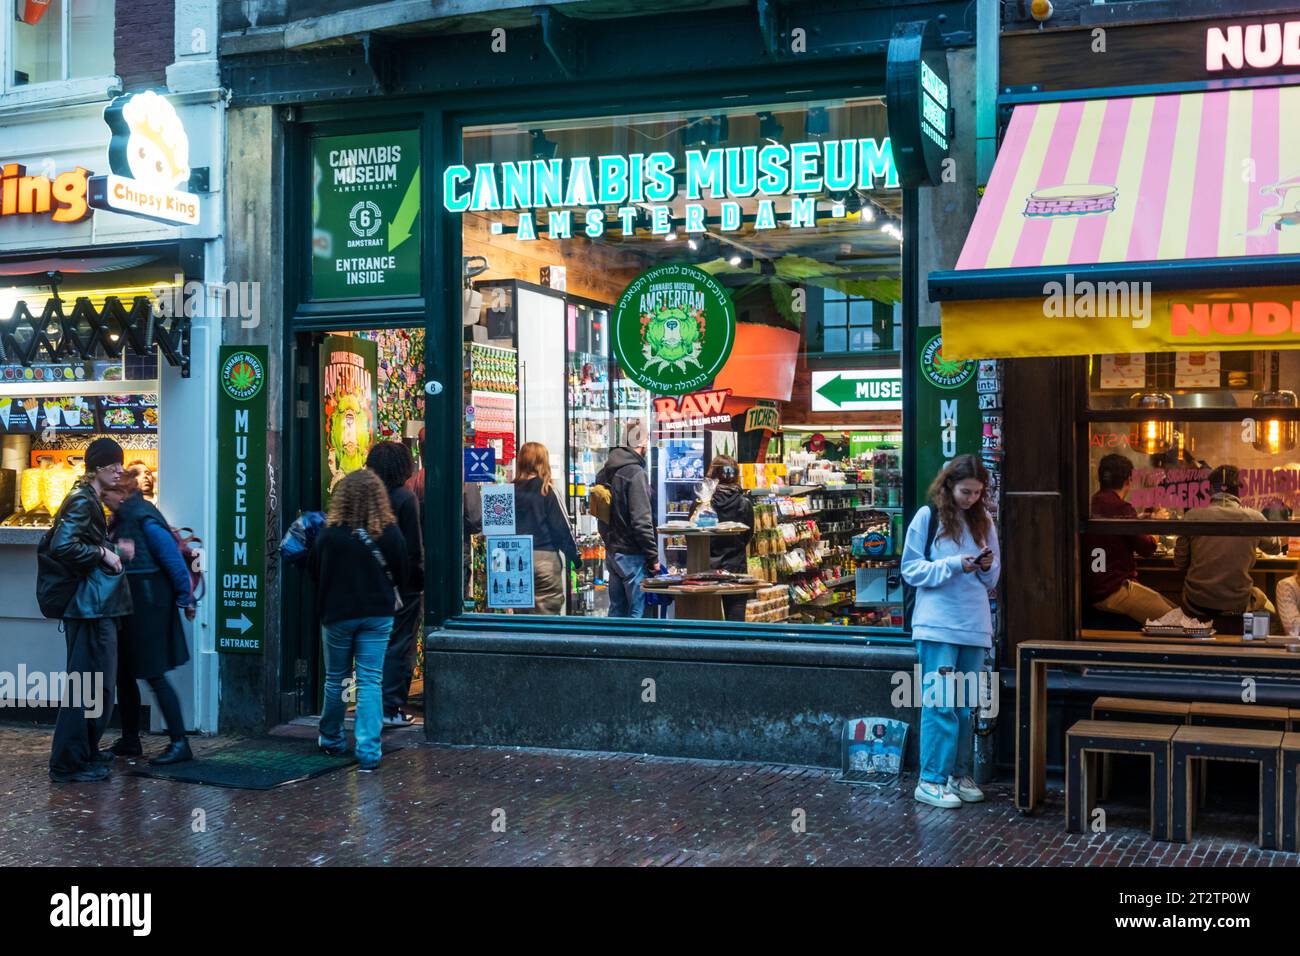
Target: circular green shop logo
{"type": "Point", "coordinates": [674, 327]}
{"type": "Point", "coordinates": [242, 375]}
{"type": "Point", "coordinates": [942, 373]}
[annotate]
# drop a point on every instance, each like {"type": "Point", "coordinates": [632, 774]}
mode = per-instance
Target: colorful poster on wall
{"type": "Point", "coordinates": [401, 381]}
{"type": "Point", "coordinates": [674, 328]}
{"type": "Point", "coordinates": [365, 215]}
{"type": "Point", "coordinates": [349, 400]}
{"type": "Point", "coordinates": [239, 572]}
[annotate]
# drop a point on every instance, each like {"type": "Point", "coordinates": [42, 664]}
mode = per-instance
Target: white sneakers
{"type": "Point", "coordinates": [965, 789]}
{"type": "Point", "coordinates": [949, 796]}
{"type": "Point", "coordinates": [936, 796]}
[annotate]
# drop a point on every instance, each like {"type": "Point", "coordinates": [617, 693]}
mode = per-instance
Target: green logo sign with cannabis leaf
{"type": "Point", "coordinates": [242, 375]}
{"type": "Point", "coordinates": [674, 328]}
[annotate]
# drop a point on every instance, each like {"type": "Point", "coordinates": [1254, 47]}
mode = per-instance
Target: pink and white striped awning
{"type": "Point", "coordinates": [1206, 175]}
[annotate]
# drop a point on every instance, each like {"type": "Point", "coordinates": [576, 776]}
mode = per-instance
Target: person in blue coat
{"type": "Point", "coordinates": [951, 624]}
{"type": "Point", "coordinates": [151, 641]}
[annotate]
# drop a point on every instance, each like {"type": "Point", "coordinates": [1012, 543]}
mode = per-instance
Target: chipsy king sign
{"type": "Point", "coordinates": [149, 155]}
{"type": "Point", "coordinates": [652, 180]}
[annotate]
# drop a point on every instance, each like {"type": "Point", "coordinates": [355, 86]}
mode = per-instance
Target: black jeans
{"type": "Point", "coordinates": [92, 662]}
{"type": "Point", "coordinates": [399, 658]}
{"type": "Point", "coordinates": [733, 607]}
{"type": "Point", "coordinates": [128, 703]}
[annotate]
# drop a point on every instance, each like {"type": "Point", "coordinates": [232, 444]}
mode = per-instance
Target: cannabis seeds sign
{"type": "Point", "coordinates": [674, 328]}
{"type": "Point", "coordinates": [240, 567]}
{"type": "Point", "coordinates": [365, 215]}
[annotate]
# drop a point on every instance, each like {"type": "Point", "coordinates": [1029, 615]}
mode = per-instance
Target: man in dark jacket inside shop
{"type": "Point", "coordinates": [393, 463]}
{"type": "Point", "coordinates": [78, 546]}
{"type": "Point", "coordinates": [631, 549]}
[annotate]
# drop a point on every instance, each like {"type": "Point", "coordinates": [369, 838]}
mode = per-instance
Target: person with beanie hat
{"type": "Point", "coordinates": [78, 542]}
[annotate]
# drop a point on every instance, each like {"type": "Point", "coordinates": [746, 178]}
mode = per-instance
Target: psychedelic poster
{"type": "Point", "coordinates": [400, 381]}
{"type": "Point", "coordinates": [349, 400]}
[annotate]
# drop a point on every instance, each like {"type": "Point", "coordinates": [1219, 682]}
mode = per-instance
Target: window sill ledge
{"type": "Point", "coordinates": [18, 102]}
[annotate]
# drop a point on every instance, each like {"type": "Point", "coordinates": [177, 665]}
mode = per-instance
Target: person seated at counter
{"type": "Point", "coordinates": [1288, 603]}
{"type": "Point", "coordinates": [1218, 567]}
{"type": "Point", "coordinates": [1110, 577]}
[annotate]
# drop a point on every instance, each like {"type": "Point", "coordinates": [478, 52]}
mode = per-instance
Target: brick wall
{"type": "Point", "coordinates": [143, 42]}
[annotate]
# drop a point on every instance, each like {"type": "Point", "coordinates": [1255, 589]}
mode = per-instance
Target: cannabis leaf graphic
{"type": "Point", "coordinates": [241, 376]}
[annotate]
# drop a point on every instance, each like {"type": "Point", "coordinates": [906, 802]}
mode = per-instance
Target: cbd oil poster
{"type": "Point", "coordinates": [510, 571]}
{"type": "Point", "coordinates": [240, 566]}
{"type": "Point", "coordinates": [365, 213]}
{"type": "Point", "coordinates": [349, 403]}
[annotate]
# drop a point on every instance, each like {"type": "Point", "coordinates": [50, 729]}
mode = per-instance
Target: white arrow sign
{"type": "Point", "coordinates": [241, 623]}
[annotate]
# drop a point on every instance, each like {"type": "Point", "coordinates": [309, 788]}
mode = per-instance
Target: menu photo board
{"type": "Point", "coordinates": [128, 413]}
{"type": "Point", "coordinates": [365, 207]}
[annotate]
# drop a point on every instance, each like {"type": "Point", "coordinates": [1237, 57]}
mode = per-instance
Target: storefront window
{"type": "Point", "coordinates": [60, 39]}
{"type": "Point", "coordinates": [644, 297]}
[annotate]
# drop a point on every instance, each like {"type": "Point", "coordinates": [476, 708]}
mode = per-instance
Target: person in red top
{"type": "Point", "coordinates": [1110, 571]}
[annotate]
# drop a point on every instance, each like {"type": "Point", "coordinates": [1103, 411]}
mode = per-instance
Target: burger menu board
{"type": "Point", "coordinates": [128, 413]}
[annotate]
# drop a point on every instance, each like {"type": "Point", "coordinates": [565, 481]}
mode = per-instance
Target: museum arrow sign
{"type": "Point", "coordinates": [858, 390]}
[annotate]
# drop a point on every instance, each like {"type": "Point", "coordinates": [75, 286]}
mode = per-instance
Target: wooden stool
{"type": "Point", "coordinates": [1226, 743]}
{"type": "Point", "coordinates": [1291, 792]}
{"type": "Point", "coordinates": [1252, 716]}
{"type": "Point", "coordinates": [1138, 709]}
{"type": "Point", "coordinates": [1295, 718]}
{"type": "Point", "coordinates": [1091, 737]}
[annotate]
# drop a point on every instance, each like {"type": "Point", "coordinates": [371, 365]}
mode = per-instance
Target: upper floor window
{"type": "Point", "coordinates": [843, 323]}
{"type": "Point", "coordinates": [51, 40]}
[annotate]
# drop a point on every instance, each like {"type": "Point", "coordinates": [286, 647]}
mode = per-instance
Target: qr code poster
{"type": "Point", "coordinates": [510, 571]}
{"type": "Point", "coordinates": [498, 509]}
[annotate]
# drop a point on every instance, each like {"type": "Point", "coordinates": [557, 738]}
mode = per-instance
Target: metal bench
{"type": "Point", "coordinates": [1226, 743]}
{"type": "Point", "coordinates": [1087, 738]}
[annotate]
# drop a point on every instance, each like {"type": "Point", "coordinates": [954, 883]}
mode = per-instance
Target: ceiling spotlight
{"type": "Point", "coordinates": [670, 236]}
{"type": "Point", "coordinates": [694, 244]}
{"type": "Point", "coordinates": [770, 128]}
{"type": "Point", "coordinates": [735, 259]}
{"type": "Point", "coordinates": [706, 247]}
{"type": "Point", "coordinates": [543, 148]}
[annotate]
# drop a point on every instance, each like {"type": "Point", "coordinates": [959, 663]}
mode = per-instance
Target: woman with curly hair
{"type": "Point", "coordinates": [357, 561]}
{"type": "Point", "coordinates": [950, 557]}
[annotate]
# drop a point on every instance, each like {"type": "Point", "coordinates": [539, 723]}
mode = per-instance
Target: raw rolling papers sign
{"type": "Point", "coordinates": [241, 498]}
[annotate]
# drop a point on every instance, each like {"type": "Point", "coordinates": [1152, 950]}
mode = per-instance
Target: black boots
{"type": "Point", "coordinates": [178, 751]}
{"type": "Point", "coordinates": [126, 747]}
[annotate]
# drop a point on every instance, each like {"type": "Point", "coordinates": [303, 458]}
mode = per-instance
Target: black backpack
{"type": "Point", "coordinates": [909, 592]}
{"type": "Point", "coordinates": [56, 583]}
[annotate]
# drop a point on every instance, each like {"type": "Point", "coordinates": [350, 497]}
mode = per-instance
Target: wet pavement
{"type": "Point", "coordinates": [503, 806]}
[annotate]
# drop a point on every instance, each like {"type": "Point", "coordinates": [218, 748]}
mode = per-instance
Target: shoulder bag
{"type": "Point", "coordinates": [379, 556]}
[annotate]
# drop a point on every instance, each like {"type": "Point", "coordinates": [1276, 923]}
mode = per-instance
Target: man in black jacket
{"type": "Point", "coordinates": [393, 463]}
{"type": "Point", "coordinates": [79, 541]}
{"type": "Point", "coordinates": [631, 549]}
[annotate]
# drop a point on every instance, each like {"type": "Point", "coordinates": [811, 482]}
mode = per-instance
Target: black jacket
{"type": "Point", "coordinates": [631, 529]}
{"type": "Point", "coordinates": [80, 530]}
{"type": "Point", "coordinates": [729, 552]}
{"type": "Point", "coordinates": [406, 509]}
{"type": "Point", "coordinates": [542, 517]}
{"type": "Point", "coordinates": [350, 584]}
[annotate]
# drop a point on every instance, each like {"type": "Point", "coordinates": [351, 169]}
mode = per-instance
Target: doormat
{"type": "Point", "coordinates": [261, 764]}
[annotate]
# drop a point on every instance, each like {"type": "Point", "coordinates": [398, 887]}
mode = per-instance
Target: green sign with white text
{"type": "Point", "coordinates": [239, 571]}
{"type": "Point", "coordinates": [947, 410]}
{"type": "Point", "coordinates": [365, 215]}
{"type": "Point", "coordinates": [674, 328]}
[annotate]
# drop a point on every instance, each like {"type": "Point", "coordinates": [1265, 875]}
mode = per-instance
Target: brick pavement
{"type": "Point", "coordinates": [431, 804]}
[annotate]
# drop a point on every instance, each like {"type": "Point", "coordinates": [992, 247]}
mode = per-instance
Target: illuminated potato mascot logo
{"type": "Point", "coordinates": [149, 141]}
{"type": "Point", "coordinates": [673, 337]}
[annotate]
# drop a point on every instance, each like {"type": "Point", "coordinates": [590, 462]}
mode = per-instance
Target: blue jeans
{"type": "Point", "coordinates": [626, 572]}
{"type": "Point", "coordinates": [947, 735]}
{"type": "Point", "coordinates": [363, 639]}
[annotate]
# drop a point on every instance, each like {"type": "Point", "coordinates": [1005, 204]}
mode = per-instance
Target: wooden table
{"type": "Point", "coordinates": [696, 604]}
{"type": "Point", "coordinates": [1273, 640]}
{"type": "Point", "coordinates": [1034, 657]}
{"type": "Point", "coordinates": [699, 542]}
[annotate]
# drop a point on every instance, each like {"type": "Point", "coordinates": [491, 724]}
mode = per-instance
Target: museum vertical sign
{"type": "Point", "coordinates": [240, 569]}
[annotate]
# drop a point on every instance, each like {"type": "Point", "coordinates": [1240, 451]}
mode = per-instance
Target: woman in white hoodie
{"type": "Point", "coordinates": [952, 567]}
